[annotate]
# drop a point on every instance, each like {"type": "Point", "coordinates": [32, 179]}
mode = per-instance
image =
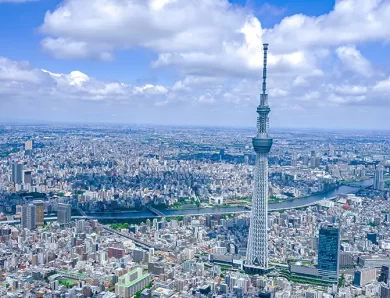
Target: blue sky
{"type": "Point", "coordinates": [195, 62]}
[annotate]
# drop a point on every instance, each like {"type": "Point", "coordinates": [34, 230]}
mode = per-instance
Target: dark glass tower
{"type": "Point", "coordinates": [328, 252]}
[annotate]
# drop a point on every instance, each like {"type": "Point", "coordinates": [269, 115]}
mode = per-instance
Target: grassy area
{"type": "Point", "coordinates": [181, 202]}
{"type": "Point", "coordinates": [69, 283]}
{"type": "Point", "coordinates": [304, 280]}
{"type": "Point", "coordinates": [178, 218]}
{"type": "Point", "coordinates": [138, 294]}
{"type": "Point", "coordinates": [119, 226]}
{"type": "Point", "coordinates": [275, 200]}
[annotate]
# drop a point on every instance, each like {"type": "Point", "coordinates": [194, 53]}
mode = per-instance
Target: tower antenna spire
{"type": "Point", "coordinates": [265, 49]}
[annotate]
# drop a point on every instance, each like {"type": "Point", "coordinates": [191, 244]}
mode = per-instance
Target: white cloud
{"type": "Point", "coordinates": [64, 48]}
{"type": "Point", "coordinates": [383, 86]}
{"type": "Point", "coordinates": [215, 37]}
{"type": "Point", "coordinates": [20, 72]}
{"type": "Point", "coordinates": [349, 90]}
{"type": "Point", "coordinates": [163, 26]}
{"type": "Point", "coordinates": [205, 37]}
{"type": "Point", "coordinates": [215, 49]}
{"type": "Point", "coordinates": [350, 22]}
{"type": "Point", "coordinates": [353, 60]}
{"type": "Point", "coordinates": [20, 79]}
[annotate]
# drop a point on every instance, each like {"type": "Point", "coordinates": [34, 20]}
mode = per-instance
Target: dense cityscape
{"type": "Point", "coordinates": [160, 214]}
{"type": "Point", "coordinates": [93, 210]}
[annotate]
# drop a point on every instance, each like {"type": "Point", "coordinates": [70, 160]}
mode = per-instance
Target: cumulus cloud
{"type": "Point", "coordinates": [20, 78]}
{"type": "Point", "coordinates": [353, 60]}
{"type": "Point", "coordinates": [205, 37]}
{"type": "Point", "coordinates": [215, 49]}
{"type": "Point", "coordinates": [350, 22]}
{"type": "Point", "coordinates": [164, 26]}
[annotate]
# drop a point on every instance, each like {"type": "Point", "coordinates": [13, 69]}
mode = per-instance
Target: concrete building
{"type": "Point", "coordinates": [363, 277]}
{"type": "Point", "coordinates": [115, 252]}
{"type": "Point", "coordinates": [28, 145]}
{"type": "Point", "coordinates": [27, 177]}
{"type": "Point", "coordinates": [379, 182]}
{"type": "Point", "coordinates": [385, 291]}
{"type": "Point", "coordinates": [64, 213]}
{"type": "Point", "coordinates": [372, 261]}
{"type": "Point", "coordinates": [39, 212]}
{"type": "Point", "coordinates": [131, 283]}
{"type": "Point", "coordinates": [29, 216]}
{"type": "Point", "coordinates": [17, 173]}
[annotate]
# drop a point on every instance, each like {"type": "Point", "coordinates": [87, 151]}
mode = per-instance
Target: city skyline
{"type": "Point", "coordinates": [325, 77]}
{"type": "Point", "coordinates": [130, 166]}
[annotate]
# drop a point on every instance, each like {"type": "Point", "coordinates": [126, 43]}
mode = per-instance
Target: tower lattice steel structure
{"type": "Point", "coordinates": [257, 249]}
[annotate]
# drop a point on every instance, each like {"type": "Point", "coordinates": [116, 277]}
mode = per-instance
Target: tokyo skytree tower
{"type": "Point", "coordinates": [257, 248]}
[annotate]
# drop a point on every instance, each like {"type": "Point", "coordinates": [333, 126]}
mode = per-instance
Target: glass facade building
{"type": "Point", "coordinates": [328, 252]}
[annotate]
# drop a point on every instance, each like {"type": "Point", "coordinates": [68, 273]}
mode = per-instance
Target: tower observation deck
{"type": "Point", "coordinates": [257, 248]}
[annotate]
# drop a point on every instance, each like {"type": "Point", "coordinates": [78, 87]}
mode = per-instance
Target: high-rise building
{"type": "Point", "coordinates": [328, 252]}
{"type": "Point", "coordinates": [64, 213]}
{"type": "Point", "coordinates": [372, 237]}
{"type": "Point", "coordinates": [379, 182]}
{"type": "Point", "coordinates": [80, 226]}
{"type": "Point", "coordinates": [385, 291]}
{"type": "Point", "coordinates": [17, 173]}
{"type": "Point", "coordinates": [257, 248]}
{"type": "Point", "coordinates": [39, 212]}
{"type": "Point", "coordinates": [306, 160]}
{"type": "Point", "coordinates": [364, 276]}
{"type": "Point", "coordinates": [294, 159]}
{"type": "Point", "coordinates": [29, 217]}
{"type": "Point", "coordinates": [161, 150]}
{"type": "Point", "coordinates": [129, 284]}
{"type": "Point", "coordinates": [385, 274]}
{"type": "Point", "coordinates": [27, 177]}
{"type": "Point", "coordinates": [28, 146]}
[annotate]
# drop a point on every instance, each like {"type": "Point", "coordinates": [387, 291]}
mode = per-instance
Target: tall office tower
{"type": "Point", "coordinates": [39, 212]}
{"type": "Point", "coordinates": [29, 216]}
{"type": "Point", "coordinates": [385, 291]}
{"type": "Point", "coordinates": [28, 146]}
{"type": "Point", "coordinates": [294, 159]}
{"type": "Point", "coordinates": [64, 213]}
{"type": "Point", "coordinates": [379, 183]}
{"type": "Point", "coordinates": [161, 150]}
{"type": "Point", "coordinates": [17, 172]}
{"type": "Point", "coordinates": [328, 253]}
{"type": "Point", "coordinates": [257, 248]}
{"type": "Point", "coordinates": [372, 237]}
{"type": "Point", "coordinates": [385, 274]}
{"type": "Point", "coordinates": [27, 177]}
{"type": "Point", "coordinates": [306, 160]}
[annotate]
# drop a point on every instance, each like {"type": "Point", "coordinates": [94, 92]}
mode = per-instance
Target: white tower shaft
{"type": "Point", "coordinates": [257, 248]}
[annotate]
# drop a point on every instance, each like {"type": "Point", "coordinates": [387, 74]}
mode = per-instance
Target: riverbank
{"type": "Point", "coordinates": [296, 203]}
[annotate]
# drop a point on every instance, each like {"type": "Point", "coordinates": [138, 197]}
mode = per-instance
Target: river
{"type": "Point", "coordinates": [344, 189]}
